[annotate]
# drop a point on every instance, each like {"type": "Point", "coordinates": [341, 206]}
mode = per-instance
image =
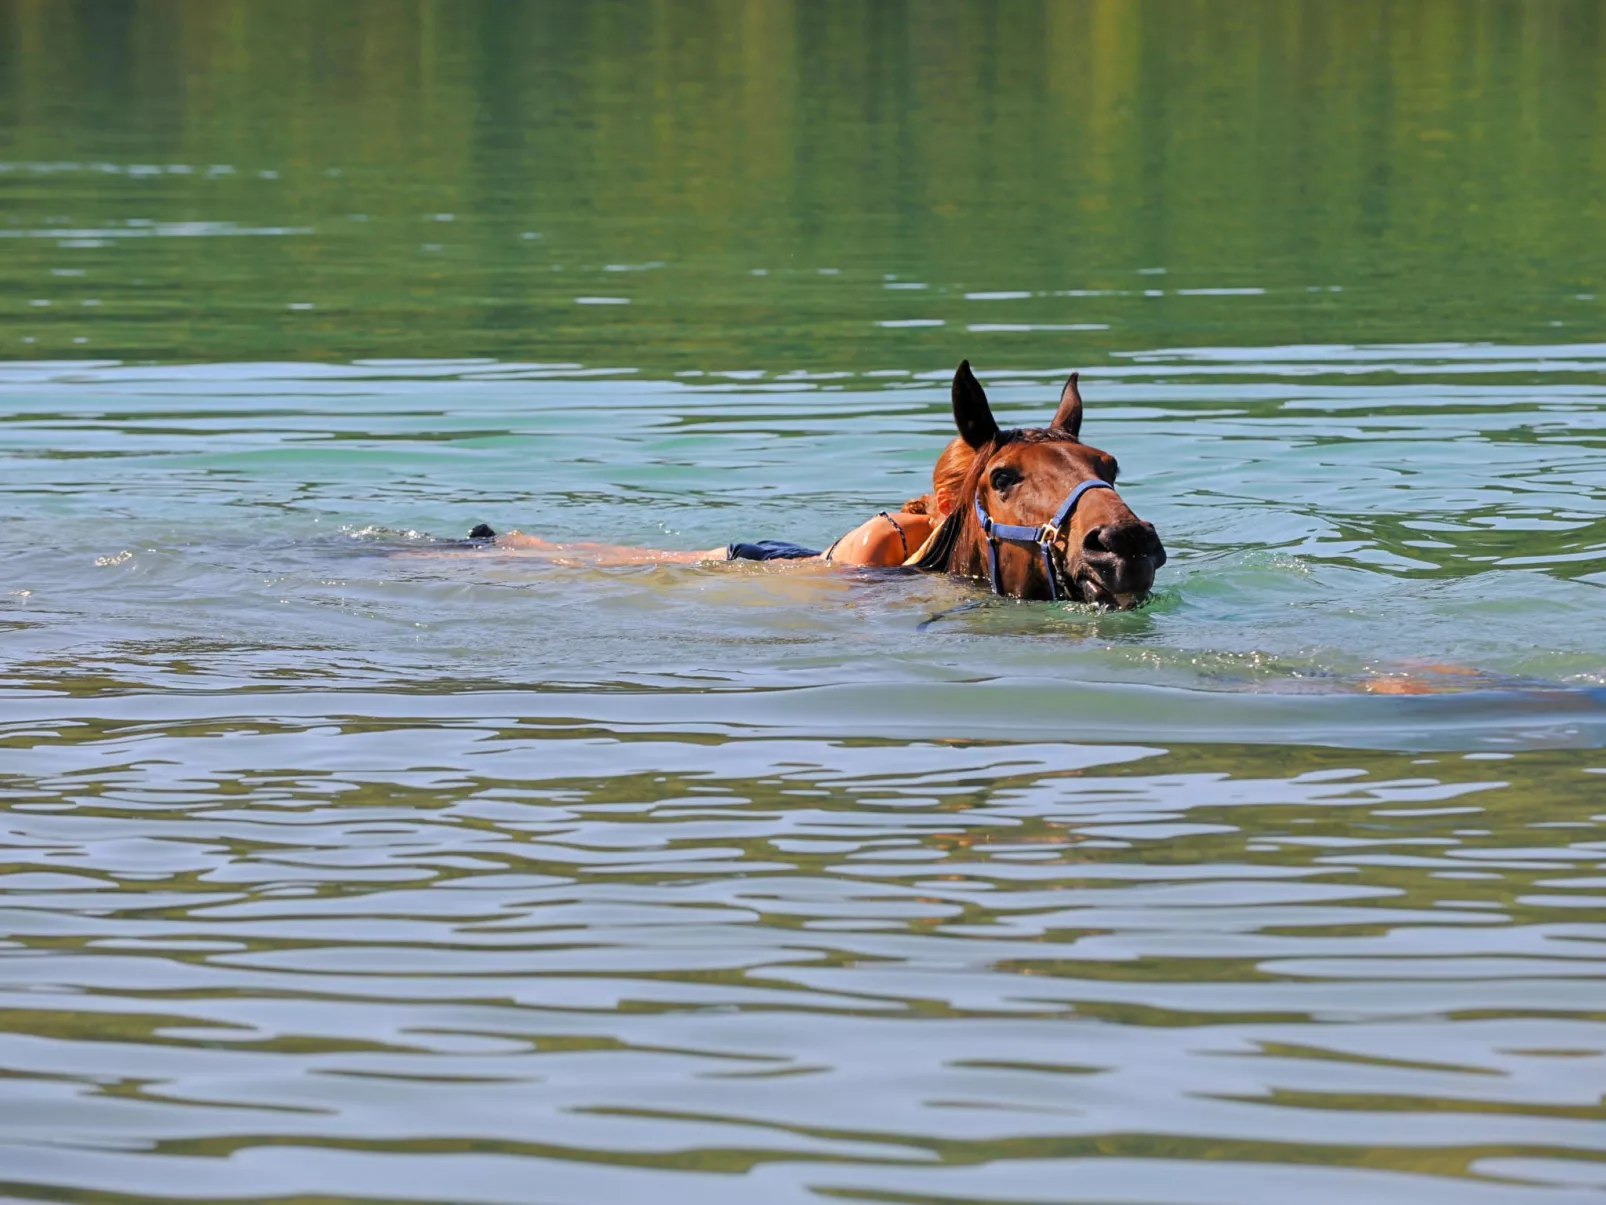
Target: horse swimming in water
{"type": "Point", "coordinates": [1039, 516]}
{"type": "Point", "coordinates": [1033, 512]}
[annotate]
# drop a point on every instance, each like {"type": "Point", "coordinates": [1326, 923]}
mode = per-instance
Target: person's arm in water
{"type": "Point", "coordinates": [593, 553]}
{"type": "Point", "coordinates": [886, 540]}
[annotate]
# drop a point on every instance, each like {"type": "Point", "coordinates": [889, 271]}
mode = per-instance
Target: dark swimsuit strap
{"type": "Point", "coordinates": [902, 539]}
{"type": "Point", "coordinates": [896, 526]}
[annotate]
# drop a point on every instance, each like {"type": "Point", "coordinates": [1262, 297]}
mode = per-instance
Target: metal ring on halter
{"type": "Point", "coordinates": [1043, 536]}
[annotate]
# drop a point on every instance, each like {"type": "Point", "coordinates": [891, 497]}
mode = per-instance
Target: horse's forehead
{"type": "Point", "coordinates": [1066, 453]}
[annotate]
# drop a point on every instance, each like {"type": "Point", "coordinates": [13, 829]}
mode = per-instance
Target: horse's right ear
{"type": "Point", "coordinates": [1068, 417]}
{"type": "Point", "coordinates": [972, 415]}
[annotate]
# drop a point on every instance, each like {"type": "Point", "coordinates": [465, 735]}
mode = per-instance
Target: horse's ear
{"type": "Point", "coordinates": [1068, 417]}
{"type": "Point", "coordinates": [972, 415]}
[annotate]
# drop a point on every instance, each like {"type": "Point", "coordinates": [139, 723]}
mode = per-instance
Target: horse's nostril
{"type": "Point", "coordinates": [1128, 541]}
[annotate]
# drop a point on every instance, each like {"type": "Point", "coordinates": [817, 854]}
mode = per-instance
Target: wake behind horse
{"type": "Point", "coordinates": [1040, 517]}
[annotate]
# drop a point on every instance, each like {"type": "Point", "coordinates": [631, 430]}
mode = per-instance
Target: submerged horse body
{"type": "Point", "coordinates": [1033, 512]}
{"type": "Point", "coordinates": [886, 541]}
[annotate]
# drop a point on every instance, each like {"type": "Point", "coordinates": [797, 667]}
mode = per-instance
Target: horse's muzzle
{"type": "Point", "coordinates": [1117, 562]}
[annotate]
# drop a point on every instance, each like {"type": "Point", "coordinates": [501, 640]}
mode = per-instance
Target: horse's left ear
{"type": "Point", "coordinates": [1068, 417]}
{"type": "Point", "coordinates": [972, 415]}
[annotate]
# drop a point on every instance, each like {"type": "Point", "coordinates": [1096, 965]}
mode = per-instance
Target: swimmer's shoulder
{"type": "Point", "coordinates": [887, 539]}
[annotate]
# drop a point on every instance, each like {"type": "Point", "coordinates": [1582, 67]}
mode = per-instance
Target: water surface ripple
{"type": "Point", "coordinates": [439, 957]}
{"type": "Point", "coordinates": [341, 864]}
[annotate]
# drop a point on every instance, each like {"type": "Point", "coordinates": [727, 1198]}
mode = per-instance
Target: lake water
{"type": "Point", "coordinates": [337, 864]}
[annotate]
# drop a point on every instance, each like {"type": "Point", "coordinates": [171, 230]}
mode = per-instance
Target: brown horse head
{"type": "Point", "coordinates": [1103, 553]}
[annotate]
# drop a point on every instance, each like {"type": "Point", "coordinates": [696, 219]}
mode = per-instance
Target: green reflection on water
{"type": "Point", "coordinates": [761, 186]}
{"type": "Point", "coordinates": [1295, 858]}
{"type": "Point", "coordinates": [448, 179]}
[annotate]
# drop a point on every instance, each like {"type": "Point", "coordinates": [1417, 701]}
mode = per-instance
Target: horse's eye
{"type": "Point", "coordinates": [1004, 477]}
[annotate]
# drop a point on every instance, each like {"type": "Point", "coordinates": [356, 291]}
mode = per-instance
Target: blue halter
{"type": "Point", "coordinates": [1043, 537]}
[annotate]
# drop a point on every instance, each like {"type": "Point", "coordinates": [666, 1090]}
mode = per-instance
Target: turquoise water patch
{"type": "Point", "coordinates": [342, 862]}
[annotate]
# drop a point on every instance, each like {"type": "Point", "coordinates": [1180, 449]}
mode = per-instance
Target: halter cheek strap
{"type": "Point", "coordinates": [1043, 537]}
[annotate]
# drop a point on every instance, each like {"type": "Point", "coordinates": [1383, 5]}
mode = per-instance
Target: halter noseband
{"type": "Point", "coordinates": [1043, 537]}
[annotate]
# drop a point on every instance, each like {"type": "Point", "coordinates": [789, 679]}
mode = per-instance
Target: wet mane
{"type": "Point", "coordinates": [942, 547]}
{"type": "Point", "coordinates": [941, 554]}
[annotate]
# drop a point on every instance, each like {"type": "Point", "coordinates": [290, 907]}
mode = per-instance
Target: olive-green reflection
{"type": "Point", "coordinates": [1443, 164]}
{"type": "Point", "coordinates": [221, 995]}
